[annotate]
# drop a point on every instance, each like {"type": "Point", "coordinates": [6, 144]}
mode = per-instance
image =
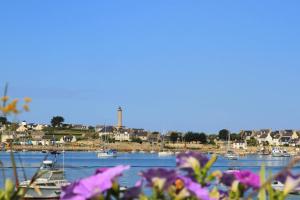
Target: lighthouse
{"type": "Point", "coordinates": [119, 111]}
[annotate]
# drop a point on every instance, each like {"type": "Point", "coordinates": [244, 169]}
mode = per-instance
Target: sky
{"type": "Point", "coordinates": [171, 65]}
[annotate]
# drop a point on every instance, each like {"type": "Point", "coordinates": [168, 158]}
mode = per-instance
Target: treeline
{"type": "Point", "coordinates": [203, 138]}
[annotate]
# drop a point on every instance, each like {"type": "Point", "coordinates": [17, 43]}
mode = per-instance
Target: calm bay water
{"type": "Point", "coordinates": [82, 164]}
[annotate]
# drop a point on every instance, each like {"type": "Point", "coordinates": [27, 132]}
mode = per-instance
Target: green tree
{"type": "Point", "coordinates": [223, 134]}
{"type": "Point", "coordinates": [57, 121]}
{"type": "Point", "coordinates": [235, 137]}
{"type": "Point", "coordinates": [174, 137]}
{"type": "Point", "coordinates": [252, 142]}
{"type": "Point", "coordinates": [189, 137]}
{"type": "Point", "coordinates": [202, 138]}
{"type": "Point", "coordinates": [3, 120]}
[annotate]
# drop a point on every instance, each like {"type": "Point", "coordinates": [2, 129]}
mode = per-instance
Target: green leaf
{"type": "Point", "coordinates": [9, 186]}
{"type": "Point", "coordinates": [262, 191]}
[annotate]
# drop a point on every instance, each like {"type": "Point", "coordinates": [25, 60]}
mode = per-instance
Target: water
{"type": "Point", "coordinates": [82, 164]}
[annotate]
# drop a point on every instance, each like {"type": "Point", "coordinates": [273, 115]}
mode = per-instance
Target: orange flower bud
{"type": "Point", "coordinates": [179, 184]}
{"type": "Point", "coordinates": [27, 99]}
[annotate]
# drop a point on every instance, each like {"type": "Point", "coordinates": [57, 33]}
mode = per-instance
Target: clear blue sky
{"type": "Point", "coordinates": [171, 65]}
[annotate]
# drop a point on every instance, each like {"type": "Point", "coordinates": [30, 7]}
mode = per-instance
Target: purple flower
{"type": "Point", "coordinates": [160, 178]}
{"type": "Point", "coordinates": [248, 178]}
{"type": "Point", "coordinates": [227, 179]}
{"type": "Point", "coordinates": [182, 159]}
{"type": "Point", "coordinates": [134, 192]}
{"type": "Point", "coordinates": [93, 185]}
{"type": "Point", "coordinates": [195, 188]}
{"type": "Point", "coordinates": [283, 176]}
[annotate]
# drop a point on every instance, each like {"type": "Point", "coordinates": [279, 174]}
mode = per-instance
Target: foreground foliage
{"type": "Point", "coordinates": [192, 179]}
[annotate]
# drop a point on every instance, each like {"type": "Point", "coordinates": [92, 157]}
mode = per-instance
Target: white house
{"type": "Point", "coordinates": [265, 138]}
{"type": "Point", "coordinates": [22, 128]}
{"type": "Point", "coordinates": [38, 127]}
{"type": "Point", "coordinates": [125, 136]}
{"type": "Point", "coordinates": [68, 138]}
{"type": "Point", "coordinates": [239, 145]}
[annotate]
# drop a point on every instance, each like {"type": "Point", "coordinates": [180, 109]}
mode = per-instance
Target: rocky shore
{"type": "Point", "coordinates": [129, 146]}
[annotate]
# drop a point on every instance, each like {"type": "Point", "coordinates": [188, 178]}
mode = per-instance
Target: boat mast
{"type": "Point", "coordinates": [63, 161]}
{"type": "Point", "coordinates": [228, 142]}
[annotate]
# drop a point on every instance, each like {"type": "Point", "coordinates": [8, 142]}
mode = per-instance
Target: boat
{"type": "Point", "coordinates": [165, 153]}
{"type": "Point", "coordinates": [232, 170]}
{"type": "Point", "coordinates": [277, 185]}
{"type": "Point", "coordinates": [49, 182]}
{"type": "Point", "coordinates": [152, 151]}
{"type": "Point", "coordinates": [285, 154]}
{"type": "Point", "coordinates": [230, 154]}
{"type": "Point", "coordinates": [107, 153]}
{"type": "Point", "coordinates": [133, 151]}
{"type": "Point", "coordinates": [44, 151]}
{"type": "Point", "coordinates": [276, 152]}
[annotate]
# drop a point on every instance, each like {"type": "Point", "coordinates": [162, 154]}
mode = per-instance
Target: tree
{"type": "Point", "coordinates": [3, 120]}
{"type": "Point", "coordinates": [202, 138]}
{"type": "Point", "coordinates": [174, 136]}
{"type": "Point", "coordinates": [223, 134]}
{"type": "Point", "coordinates": [57, 121]}
{"type": "Point", "coordinates": [235, 137]}
{"type": "Point", "coordinates": [188, 137]}
{"type": "Point", "coordinates": [252, 142]}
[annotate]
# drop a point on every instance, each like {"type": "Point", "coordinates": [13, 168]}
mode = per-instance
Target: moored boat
{"type": "Point", "coordinates": [49, 182]}
{"type": "Point", "coordinates": [165, 153]}
{"type": "Point", "coordinates": [107, 153]}
{"type": "Point", "coordinates": [277, 185]}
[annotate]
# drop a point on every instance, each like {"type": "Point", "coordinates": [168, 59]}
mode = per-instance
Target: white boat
{"type": "Point", "coordinates": [230, 154]}
{"type": "Point", "coordinates": [142, 151]}
{"type": "Point", "coordinates": [276, 152]}
{"type": "Point", "coordinates": [49, 182]}
{"type": "Point", "coordinates": [165, 153]}
{"type": "Point", "coordinates": [277, 185]}
{"type": "Point", "coordinates": [107, 153]}
{"type": "Point", "coordinates": [232, 170]}
{"type": "Point", "coordinates": [152, 151]}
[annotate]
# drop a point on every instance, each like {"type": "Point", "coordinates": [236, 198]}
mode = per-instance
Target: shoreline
{"type": "Point", "coordinates": [147, 147]}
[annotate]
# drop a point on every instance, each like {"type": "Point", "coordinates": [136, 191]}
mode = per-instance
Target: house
{"type": "Point", "coordinates": [6, 137]}
{"type": "Point", "coordinates": [79, 127]}
{"type": "Point", "coordinates": [105, 130]}
{"type": "Point", "coordinates": [239, 145]}
{"type": "Point", "coordinates": [37, 137]}
{"type": "Point", "coordinates": [141, 135]}
{"type": "Point", "coordinates": [38, 127]}
{"type": "Point", "coordinates": [246, 135]}
{"type": "Point", "coordinates": [265, 138]}
{"type": "Point", "coordinates": [122, 136]}
{"type": "Point", "coordinates": [275, 138]}
{"type": "Point", "coordinates": [285, 140]}
{"type": "Point", "coordinates": [290, 133]}
{"type": "Point", "coordinates": [68, 139]}
{"type": "Point", "coordinates": [22, 128]}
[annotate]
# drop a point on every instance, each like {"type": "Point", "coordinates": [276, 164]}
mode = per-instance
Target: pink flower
{"type": "Point", "coordinates": [94, 185]}
{"type": "Point", "coordinates": [195, 188]}
{"type": "Point", "coordinates": [248, 178]}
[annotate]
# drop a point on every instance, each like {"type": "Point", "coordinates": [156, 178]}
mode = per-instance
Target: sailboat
{"type": "Point", "coordinates": [105, 153]}
{"type": "Point", "coordinates": [230, 154]}
{"type": "Point", "coordinates": [163, 152]}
